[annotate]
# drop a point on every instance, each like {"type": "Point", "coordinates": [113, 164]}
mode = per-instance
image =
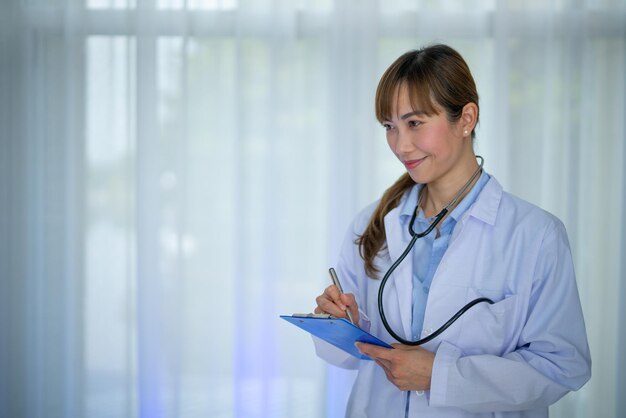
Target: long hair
{"type": "Point", "coordinates": [437, 78]}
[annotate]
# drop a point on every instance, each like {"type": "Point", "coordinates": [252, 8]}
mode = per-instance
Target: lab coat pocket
{"type": "Point", "coordinates": [489, 328]}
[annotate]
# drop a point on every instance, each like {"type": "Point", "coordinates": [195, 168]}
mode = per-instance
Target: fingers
{"type": "Point", "coordinates": [332, 293]}
{"type": "Point", "coordinates": [375, 352]}
{"type": "Point", "coordinates": [335, 303]}
{"type": "Point", "coordinates": [408, 368]}
{"type": "Point", "coordinates": [386, 365]}
{"type": "Point", "coordinates": [329, 302]}
{"type": "Point", "coordinates": [407, 347]}
{"type": "Point", "coordinates": [349, 301]}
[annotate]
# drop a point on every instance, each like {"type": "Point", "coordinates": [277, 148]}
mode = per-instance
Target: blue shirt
{"type": "Point", "coordinates": [429, 250]}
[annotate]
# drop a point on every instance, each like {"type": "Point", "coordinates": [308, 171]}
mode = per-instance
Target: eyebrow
{"type": "Point", "coordinates": [415, 113]}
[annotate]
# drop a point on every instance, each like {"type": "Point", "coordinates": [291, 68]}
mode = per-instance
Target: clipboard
{"type": "Point", "coordinates": [337, 331]}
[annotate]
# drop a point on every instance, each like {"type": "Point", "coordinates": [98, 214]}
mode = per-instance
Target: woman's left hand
{"type": "Point", "coordinates": [407, 367]}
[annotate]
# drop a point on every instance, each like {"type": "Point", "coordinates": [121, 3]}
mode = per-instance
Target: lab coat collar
{"type": "Point", "coordinates": [408, 202]}
{"type": "Point", "coordinates": [486, 206]}
{"type": "Point", "coordinates": [484, 209]}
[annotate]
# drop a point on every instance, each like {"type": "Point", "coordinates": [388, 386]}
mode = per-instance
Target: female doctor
{"type": "Point", "coordinates": [511, 358]}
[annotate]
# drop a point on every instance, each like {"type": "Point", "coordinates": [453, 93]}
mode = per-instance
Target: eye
{"type": "Point", "coordinates": [414, 123]}
{"type": "Point", "coordinates": [387, 126]}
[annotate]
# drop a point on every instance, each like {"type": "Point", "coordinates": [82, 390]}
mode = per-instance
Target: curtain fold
{"type": "Point", "coordinates": [174, 174]}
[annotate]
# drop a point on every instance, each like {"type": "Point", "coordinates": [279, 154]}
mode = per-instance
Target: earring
{"type": "Point", "coordinates": [465, 132]}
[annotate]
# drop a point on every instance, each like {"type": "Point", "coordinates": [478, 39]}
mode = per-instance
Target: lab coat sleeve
{"type": "Point", "coordinates": [349, 269]}
{"type": "Point", "coordinates": [552, 355]}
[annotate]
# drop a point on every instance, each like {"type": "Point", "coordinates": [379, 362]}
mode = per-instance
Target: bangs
{"type": "Point", "coordinates": [420, 92]}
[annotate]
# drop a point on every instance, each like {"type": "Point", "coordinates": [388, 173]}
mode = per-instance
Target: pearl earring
{"type": "Point", "coordinates": [465, 132]}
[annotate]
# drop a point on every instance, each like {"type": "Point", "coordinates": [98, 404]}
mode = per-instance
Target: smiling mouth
{"type": "Point", "coordinates": [411, 164]}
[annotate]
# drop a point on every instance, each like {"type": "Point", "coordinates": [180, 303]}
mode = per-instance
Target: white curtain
{"type": "Point", "coordinates": [174, 174]}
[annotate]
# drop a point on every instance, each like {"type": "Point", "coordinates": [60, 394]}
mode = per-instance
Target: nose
{"type": "Point", "coordinates": [403, 143]}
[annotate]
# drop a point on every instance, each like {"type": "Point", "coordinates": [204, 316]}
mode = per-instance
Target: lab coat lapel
{"type": "Point", "coordinates": [400, 281]}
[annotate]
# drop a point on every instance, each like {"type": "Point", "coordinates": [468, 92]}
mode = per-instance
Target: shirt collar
{"type": "Point", "coordinates": [470, 198]}
{"type": "Point", "coordinates": [410, 201]}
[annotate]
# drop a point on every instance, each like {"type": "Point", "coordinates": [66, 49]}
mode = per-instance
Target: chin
{"type": "Point", "coordinates": [420, 179]}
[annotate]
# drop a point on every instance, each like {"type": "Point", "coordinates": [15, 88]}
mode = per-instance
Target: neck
{"type": "Point", "coordinates": [439, 194]}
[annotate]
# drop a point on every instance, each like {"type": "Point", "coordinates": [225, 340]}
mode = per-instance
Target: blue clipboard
{"type": "Point", "coordinates": [337, 331]}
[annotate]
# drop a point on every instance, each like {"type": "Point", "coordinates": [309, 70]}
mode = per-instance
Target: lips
{"type": "Point", "coordinates": [411, 164]}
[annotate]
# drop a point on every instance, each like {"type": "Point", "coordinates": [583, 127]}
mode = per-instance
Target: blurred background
{"type": "Point", "coordinates": [174, 174]}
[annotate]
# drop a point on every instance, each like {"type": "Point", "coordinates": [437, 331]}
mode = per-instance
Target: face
{"type": "Point", "coordinates": [429, 146]}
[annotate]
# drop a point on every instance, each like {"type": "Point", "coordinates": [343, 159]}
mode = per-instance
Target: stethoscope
{"type": "Point", "coordinates": [415, 236]}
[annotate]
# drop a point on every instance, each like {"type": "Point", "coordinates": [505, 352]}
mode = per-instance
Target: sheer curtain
{"type": "Point", "coordinates": [174, 174]}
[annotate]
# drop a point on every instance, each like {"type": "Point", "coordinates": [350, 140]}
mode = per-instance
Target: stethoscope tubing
{"type": "Point", "coordinates": [415, 236]}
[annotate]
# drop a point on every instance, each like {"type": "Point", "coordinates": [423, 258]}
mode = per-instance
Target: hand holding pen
{"type": "Point", "coordinates": [333, 301]}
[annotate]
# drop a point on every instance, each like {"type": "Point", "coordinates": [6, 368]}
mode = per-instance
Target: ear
{"type": "Point", "coordinates": [469, 117]}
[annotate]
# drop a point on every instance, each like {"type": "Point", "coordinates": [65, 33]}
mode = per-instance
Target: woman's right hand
{"type": "Point", "coordinates": [335, 303]}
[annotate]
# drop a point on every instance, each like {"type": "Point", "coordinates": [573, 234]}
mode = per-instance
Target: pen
{"type": "Point", "coordinates": [335, 279]}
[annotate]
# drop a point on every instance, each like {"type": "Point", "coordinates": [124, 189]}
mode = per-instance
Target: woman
{"type": "Point", "coordinates": [513, 357]}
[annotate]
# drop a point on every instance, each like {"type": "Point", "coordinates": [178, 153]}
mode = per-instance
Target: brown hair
{"type": "Point", "coordinates": [437, 78]}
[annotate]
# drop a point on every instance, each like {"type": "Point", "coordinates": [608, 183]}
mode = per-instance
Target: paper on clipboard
{"type": "Point", "coordinates": [336, 331]}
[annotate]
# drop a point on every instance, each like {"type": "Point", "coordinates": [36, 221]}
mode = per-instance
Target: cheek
{"type": "Point", "coordinates": [436, 139]}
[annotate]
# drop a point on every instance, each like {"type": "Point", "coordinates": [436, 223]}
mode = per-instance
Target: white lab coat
{"type": "Point", "coordinates": [509, 359]}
